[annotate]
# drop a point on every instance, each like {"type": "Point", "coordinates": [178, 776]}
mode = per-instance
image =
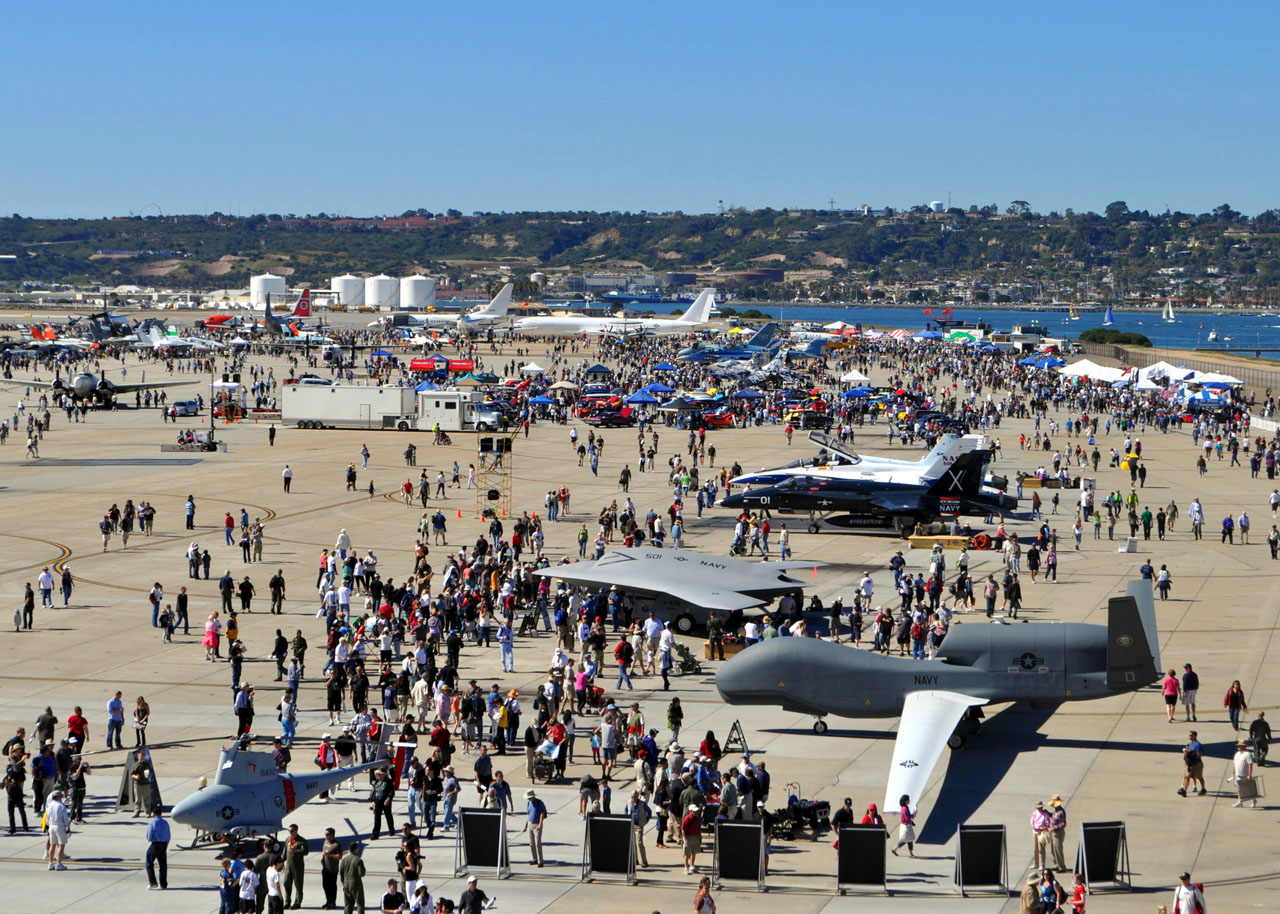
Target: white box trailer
{"type": "Point", "coordinates": [348, 406]}
{"type": "Point", "coordinates": [456, 411]}
{"type": "Point", "coordinates": [400, 408]}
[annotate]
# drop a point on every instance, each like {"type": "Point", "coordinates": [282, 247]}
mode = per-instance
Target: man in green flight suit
{"type": "Point", "coordinates": [351, 874]}
{"type": "Point", "coordinates": [295, 852]}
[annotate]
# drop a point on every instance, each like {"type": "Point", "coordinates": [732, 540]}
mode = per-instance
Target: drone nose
{"type": "Point", "coordinates": [188, 810]}
{"type": "Point", "coordinates": [747, 678]}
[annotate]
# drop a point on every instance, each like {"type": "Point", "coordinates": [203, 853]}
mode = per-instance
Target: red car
{"type": "Point", "coordinates": [720, 418]}
{"type": "Point", "coordinates": [612, 418]}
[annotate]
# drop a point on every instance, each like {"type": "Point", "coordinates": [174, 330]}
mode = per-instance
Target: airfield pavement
{"type": "Point", "coordinates": [1114, 758]}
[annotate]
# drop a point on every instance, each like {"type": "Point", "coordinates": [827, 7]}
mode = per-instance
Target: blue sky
{"type": "Point", "coordinates": [379, 107]}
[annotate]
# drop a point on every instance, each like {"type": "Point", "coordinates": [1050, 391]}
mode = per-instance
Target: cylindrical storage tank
{"type": "Point", "coordinates": [381, 292]}
{"type": "Point", "coordinates": [417, 292]}
{"type": "Point", "coordinates": [538, 279]}
{"type": "Point", "coordinates": [265, 285]}
{"type": "Point", "coordinates": [347, 290]}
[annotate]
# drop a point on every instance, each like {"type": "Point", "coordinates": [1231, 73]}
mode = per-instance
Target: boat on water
{"type": "Point", "coordinates": [1167, 314]}
{"type": "Point", "coordinates": [1213, 336]}
{"type": "Point", "coordinates": [1108, 319]}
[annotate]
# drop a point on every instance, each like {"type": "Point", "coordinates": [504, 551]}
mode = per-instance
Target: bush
{"type": "Point", "coordinates": [1116, 337]}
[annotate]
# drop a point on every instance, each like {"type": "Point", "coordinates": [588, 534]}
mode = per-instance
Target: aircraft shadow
{"type": "Point", "coordinates": [975, 772]}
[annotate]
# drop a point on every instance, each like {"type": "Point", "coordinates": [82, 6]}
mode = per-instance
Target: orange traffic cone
{"type": "Point", "coordinates": [459, 514]}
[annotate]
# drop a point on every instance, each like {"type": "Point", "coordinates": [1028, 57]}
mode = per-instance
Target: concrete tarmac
{"type": "Point", "coordinates": [1115, 758]}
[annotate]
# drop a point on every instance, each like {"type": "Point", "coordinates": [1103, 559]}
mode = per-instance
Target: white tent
{"type": "Point", "coordinates": [1212, 377]}
{"type": "Point", "coordinates": [854, 377]}
{"type": "Point", "coordinates": [1093, 371]}
{"type": "Point", "coordinates": [532, 368]}
{"type": "Point", "coordinates": [1159, 370]}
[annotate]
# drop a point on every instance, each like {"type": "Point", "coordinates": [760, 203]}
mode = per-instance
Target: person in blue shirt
{"type": "Point", "coordinates": [158, 849]}
{"type": "Point", "coordinates": [536, 812]}
{"type": "Point", "coordinates": [228, 887]}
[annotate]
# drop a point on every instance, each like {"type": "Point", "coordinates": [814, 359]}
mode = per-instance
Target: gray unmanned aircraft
{"type": "Point", "coordinates": [1043, 663]}
{"type": "Point", "coordinates": [249, 796]}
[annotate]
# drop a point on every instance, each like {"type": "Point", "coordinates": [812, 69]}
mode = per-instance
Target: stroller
{"type": "Point", "coordinates": [544, 763]}
{"type": "Point", "coordinates": [738, 547]}
{"type": "Point", "coordinates": [800, 813]}
{"type": "Point", "coordinates": [688, 663]}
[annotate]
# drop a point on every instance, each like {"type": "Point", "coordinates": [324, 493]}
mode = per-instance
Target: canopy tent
{"type": "Point", "coordinates": [1160, 370]}
{"type": "Point", "coordinates": [1042, 361]}
{"type": "Point", "coordinates": [659, 388]}
{"type": "Point", "coordinates": [927, 335]}
{"type": "Point", "coordinates": [642, 398]}
{"type": "Point", "coordinates": [900, 334]}
{"type": "Point", "coordinates": [858, 393]}
{"type": "Point", "coordinates": [596, 369]}
{"type": "Point", "coordinates": [853, 376]}
{"type": "Point", "coordinates": [427, 385]}
{"type": "Point", "coordinates": [664, 366]}
{"type": "Point", "coordinates": [381, 354]}
{"type": "Point", "coordinates": [1085, 368]}
{"type": "Point", "coordinates": [541, 400]}
{"type": "Point", "coordinates": [679, 405]}
{"type": "Point", "coordinates": [748, 393]}
{"type": "Point", "coordinates": [532, 368]}
{"type": "Point", "coordinates": [468, 380]}
{"type": "Point", "coordinates": [239, 341]}
{"type": "Point", "coordinates": [1205, 378]}
{"type": "Point", "coordinates": [563, 385]}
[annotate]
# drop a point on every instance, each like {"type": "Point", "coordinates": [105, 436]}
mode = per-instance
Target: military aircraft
{"type": "Point", "coordinates": [871, 503]}
{"type": "Point", "coordinates": [87, 386]}
{"type": "Point", "coordinates": [764, 342]}
{"type": "Point", "coordinates": [839, 460]}
{"type": "Point", "coordinates": [152, 335]}
{"type": "Point", "coordinates": [694, 316]}
{"type": "Point", "coordinates": [249, 796]}
{"type": "Point", "coordinates": [1044, 663]}
{"type": "Point", "coordinates": [685, 584]}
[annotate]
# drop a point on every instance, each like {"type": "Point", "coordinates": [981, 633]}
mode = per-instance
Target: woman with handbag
{"type": "Point", "coordinates": [141, 715]}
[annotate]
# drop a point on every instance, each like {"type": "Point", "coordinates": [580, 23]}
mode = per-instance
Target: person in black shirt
{"type": "Point", "coordinates": [843, 816]}
{"type": "Point", "coordinates": [393, 902]}
{"type": "Point", "coordinates": [473, 899]}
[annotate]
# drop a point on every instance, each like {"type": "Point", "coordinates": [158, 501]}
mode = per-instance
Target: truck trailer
{"type": "Point", "coordinates": [400, 408]}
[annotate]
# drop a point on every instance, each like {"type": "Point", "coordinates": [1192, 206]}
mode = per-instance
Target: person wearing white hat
{"type": "Point", "coordinates": [59, 820]}
{"type": "Point", "coordinates": [691, 830]}
{"type": "Point", "coordinates": [473, 900]}
{"type": "Point", "coordinates": [536, 817]}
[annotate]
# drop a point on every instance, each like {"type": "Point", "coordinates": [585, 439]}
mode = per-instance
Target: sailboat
{"type": "Point", "coordinates": [1071, 311]}
{"type": "Point", "coordinates": [1108, 320]}
{"type": "Point", "coordinates": [1168, 312]}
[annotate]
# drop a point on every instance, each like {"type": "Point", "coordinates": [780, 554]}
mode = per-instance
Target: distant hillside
{"type": "Point", "coordinates": [836, 254]}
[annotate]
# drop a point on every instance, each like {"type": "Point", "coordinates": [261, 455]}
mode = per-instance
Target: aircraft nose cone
{"type": "Point", "coordinates": [746, 677]}
{"type": "Point", "coordinates": [189, 810]}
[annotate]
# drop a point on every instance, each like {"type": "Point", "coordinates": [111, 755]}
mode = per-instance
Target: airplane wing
{"type": "Point", "coordinates": [120, 387]}
{"type": "Point", "coordinates": [928, 718]}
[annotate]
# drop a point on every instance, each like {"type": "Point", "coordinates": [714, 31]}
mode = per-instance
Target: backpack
{"type": "Point", "coordinates": [917, 631]}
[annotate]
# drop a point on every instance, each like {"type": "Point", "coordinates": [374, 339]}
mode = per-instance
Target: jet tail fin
{"type": "Point", "coordinates": [1133, 652]}
{"type": "Point", "coordinates": [700, 311]}
{"type": "Point", "coordinates": [303, 307]}
{"type": "Point", "coordinates": [964, 477]}
{"type": "Point", "coordinates": [764, 336]}
{"type": "Point", "coordinates": [500, 304]}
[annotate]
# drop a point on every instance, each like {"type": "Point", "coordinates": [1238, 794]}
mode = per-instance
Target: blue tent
{"type": "Point", "coordinates": [748, 393]}
{"type": "Point", "coordinates": [1217, 385]}
{"type": "Point", "coordinates": [599, 369]}
{"type": "Point", "coordinates": [659, 388]}
{"type": "Point", "coordinates": [857, 393]}
{"type": "Point", "coordinates": [541, 400]}
{"type": "Point", "coordinates": [427, 385]}
{"type": "Point", "coordinates": [382, 353]}
{"type": "Point", "coordinates": [927, 335]}
{"type": "Point", "coordinates": [641, 397]}
{"type": "Point", "coordinates": [664, 366]}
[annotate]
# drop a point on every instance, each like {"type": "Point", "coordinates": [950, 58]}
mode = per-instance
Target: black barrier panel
{"type": "Point", "coordinates": [860, 857]}
{"type": "Point", "coordinates": [609, 838]}
{"type": "Point", "coordinates": [738, 850]}
{"type": "Point", "coordinates": [1102, 853]}
{"type": "Point", "coordinates": [980, 856]}
{"type": "Point", "coordinates": [481, 838]}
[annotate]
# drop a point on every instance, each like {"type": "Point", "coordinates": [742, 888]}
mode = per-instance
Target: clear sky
{"type": "Point", "coordinates": [379, 107]}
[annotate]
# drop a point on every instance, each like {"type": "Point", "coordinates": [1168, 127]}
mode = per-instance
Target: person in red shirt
{"type": "Point", "coordinates": [79, 728]}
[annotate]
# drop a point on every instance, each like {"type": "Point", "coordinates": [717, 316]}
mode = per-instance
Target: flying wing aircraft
{"type": "Point", "coordinates": [701, 581]}
{"type": "Point", "coordinates": [1044, 663]}
{"type": "Point", "coordinates": [871, 503]}
{"type": "Point", "coordinates": [250, 796]}
{"type": "Point", "coordinates": [695, 316]}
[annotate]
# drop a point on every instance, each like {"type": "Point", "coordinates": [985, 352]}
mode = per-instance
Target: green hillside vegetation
{"type": "Point", "coordinates": [845, 254]}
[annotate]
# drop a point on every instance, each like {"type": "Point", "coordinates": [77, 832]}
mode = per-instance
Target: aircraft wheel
{"type": "Point", "coordinates": [956, 741]}
{"type": "Point", "coordinates": [813, 528]}
{"type": "Point", "coordinates": [684, 624]}
{"type": "Point", "coordinates": [972, 726]}
{"type": "Point", "coordinates": [819, 726]}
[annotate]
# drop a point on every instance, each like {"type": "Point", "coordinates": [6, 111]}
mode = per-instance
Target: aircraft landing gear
{"type": "Point", "coordinates": [969, 725]}
{"type": "Point", "coordinates": [819, 726]}
{"type": "Point", "coordinates": [813, 526]}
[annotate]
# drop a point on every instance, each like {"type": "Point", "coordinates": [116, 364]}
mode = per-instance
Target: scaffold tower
{"type": "Point", "coordinates": [495, 463]}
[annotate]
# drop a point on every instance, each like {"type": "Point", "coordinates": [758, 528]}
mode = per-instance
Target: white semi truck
{"type": "Point", "coordinates": [400, 408]}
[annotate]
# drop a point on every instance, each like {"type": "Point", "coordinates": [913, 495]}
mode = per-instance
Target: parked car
{"type": "Point", "coordinates": [612, 418]}
{"type": "Point", "coordinates": [185, 408]}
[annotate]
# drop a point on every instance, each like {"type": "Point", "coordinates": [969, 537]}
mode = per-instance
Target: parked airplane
{"type": "Point", "coordinates": [555, 325]}
{"type": "Point", "coordinates": [872, 503]}
{"type": "Point", "coordinates": [290, 331]}
{"type": "Point", "coordinates": [250, 796]}
{"type": "Point", "coordinates": [1044, 663]}
{"type": "Point", "coordinates": [837, 460]}
{"type": "Point", "coordinates": [87, 386]}
{"type": "Point", "coordinates": [466, 322]}
{"type": "Point", "coordinates": [764, 341]}
{"type": "Point", "coordinates": [152, 335]}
